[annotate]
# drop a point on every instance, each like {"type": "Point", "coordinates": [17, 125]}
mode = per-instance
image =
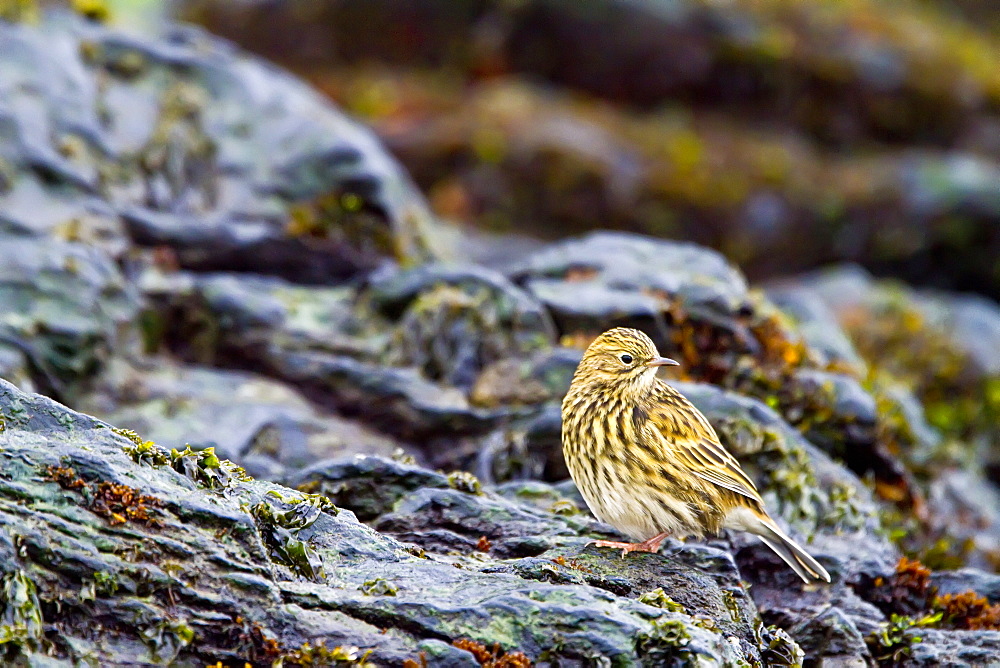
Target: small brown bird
{"type": "Point", "coordinates": [649, 463]}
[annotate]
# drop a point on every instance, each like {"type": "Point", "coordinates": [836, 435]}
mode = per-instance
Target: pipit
{"type": "Point", "coordinates": [648, 462]}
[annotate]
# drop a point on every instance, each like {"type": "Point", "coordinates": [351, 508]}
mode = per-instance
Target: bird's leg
{"type": "Point", "coordinates": [651, 545]}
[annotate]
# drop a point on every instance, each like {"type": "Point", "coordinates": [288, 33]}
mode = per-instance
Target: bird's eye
{"type": "Point", "coordinates": [626, 358]}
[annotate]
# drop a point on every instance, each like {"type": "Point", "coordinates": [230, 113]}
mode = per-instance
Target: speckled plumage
{"type": "Point", "coordinates": [649, 463]}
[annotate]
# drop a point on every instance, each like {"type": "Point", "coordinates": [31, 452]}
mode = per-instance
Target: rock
{"type": "Point", "coordinates": [244, 417]}
{"type": "Point", "coordinates": [189, 562]}
{"type": "Point", "coordinates": [630, 265]}
{"type": "Point", "coordinates": [67, 307]}
{"type": "Point", "coordinates": [452, 321]}
{"type": "Point", "coordinates": [244, 320]}
{"type": "Point", "coordinates": [827, 507]}
{"type": "Point", "coordinates": [885, 154]}
{"type": "Point", "coordinates": [472, 529]}
{"type": "Point", "coordinates": [968, 579]}
{"type": "Point", "coordinates": [199, 147]}
{"type": "Point", "coordinates": [816, 322]}
{"type": "Point", "coordinates": [955, 648]}
{"type": "Point", "coordinates": [972, 505]}
{"type": "Point", "coordinates": [370, 486]}
{"type": "Point", "coordinates": [933, 387]}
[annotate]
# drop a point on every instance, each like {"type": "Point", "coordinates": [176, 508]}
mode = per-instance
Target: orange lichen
{"type": "Point", "coordinates": [253, 638]}
{"type": "Point", "coordinates": [114, 501]}
{"type": "Point", "coordinates": [121, 503]}
{"type": "Point", "coordinates": [484, 544]}
{"type": "Point", "coordinates": [571, 563]}
{"type": "Point", "coordinates": [496, 658]}
{"type": "Point", "coordinates": [65, 476]}
{"type": "Point", "coordinates": [968, 610]}
{"type": "Point", "coordinates": [419, 662]}
{"type": "Point", "coordinates": [907, 591]}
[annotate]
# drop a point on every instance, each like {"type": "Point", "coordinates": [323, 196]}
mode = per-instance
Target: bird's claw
{"type": "Point", "coordinates": [651, 545]}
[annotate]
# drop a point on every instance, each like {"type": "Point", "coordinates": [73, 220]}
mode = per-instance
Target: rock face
{"type": "Point", "coordinates": [196, 247]}
{"type": "Point", "coordinates": [187, 144]}
{"type": "Point", "coordinates": [784, 135]}
{"type": "Point", "coordinates": [113, 549]}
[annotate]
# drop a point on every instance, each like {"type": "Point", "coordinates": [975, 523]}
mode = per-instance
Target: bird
{"type": "Point", "coordinates": [650, 464]}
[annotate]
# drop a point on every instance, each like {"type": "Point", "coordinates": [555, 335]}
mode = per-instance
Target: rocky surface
{"type": "Point", "coordinates": [784, 135]}
{"type": "Point", "coordinates": [197, 247]}
{"type": "Point", "coordinates": [189, 145]}
{"type": "Point", "coordinates": [115, 549]}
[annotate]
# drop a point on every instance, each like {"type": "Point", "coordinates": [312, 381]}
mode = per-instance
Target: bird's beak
{"type": "Point", "coordinates": [662, 361]}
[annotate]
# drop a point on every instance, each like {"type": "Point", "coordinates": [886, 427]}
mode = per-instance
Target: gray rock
{"type": "Point", "coordinates": [200, 147]}
{"type": "Point", "coordinates": [67, 307]}
{"type": "Point", "coordinates": [452, 321]}
{"type": "Point", "coordinates": [953, 649]}
{"type": "Point", "coordinates": [369, 486]}
{"type": "Point", "coordinates": [616, 270]}
{"type": "Point", "coordinates": [188, 562]}
{"type": "Point", "coordinates": [968, 579]}
{"type": "Point", "coordinates": [245, 417]}
{"type": "Point", "coordinates": [817, 323]}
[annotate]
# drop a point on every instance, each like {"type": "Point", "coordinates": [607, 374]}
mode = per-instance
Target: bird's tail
{"type": "Point", "coordinates": [790, 552]}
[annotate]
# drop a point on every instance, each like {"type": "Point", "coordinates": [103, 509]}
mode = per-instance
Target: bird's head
{"type": "Point", "coordinates": [623, 358]}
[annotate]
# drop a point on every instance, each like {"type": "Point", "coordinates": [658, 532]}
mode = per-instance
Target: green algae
{"type": "Point", "coordinates": [666, 638]}
{"type": "Point", "coordinates": [279, 519]}
{"type": "Point", "coordinates": [464, 481]}
{"type": "Point", "coordinates": [657, 598]}
{"type": "Point", "coordinates": [379, 587]}
{"type": "Point", "coordinates": [21, 623]}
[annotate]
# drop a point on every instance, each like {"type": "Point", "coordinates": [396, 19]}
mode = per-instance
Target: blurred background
{"type": "Point", "coordinates": [785, 134]}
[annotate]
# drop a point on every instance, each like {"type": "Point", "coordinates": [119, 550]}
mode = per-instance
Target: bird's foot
{"type": "Point", "coordinates": [651, 545]}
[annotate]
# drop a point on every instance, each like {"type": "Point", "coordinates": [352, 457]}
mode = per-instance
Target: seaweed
{"type": "Point", "coordinates": [65, 476]}
{"type": "Point", "coordinates": [318, 655]}
{"type": "Point", "coordinates": [657, 598]}
{"type": "Point", "coordinates": [908, 590]}
{"type": "Point", "coordinates": [379, 587]}
{"type": "Point", "coordinates": [495, 658]}
{"type": "Point", "coordinates": [968, 610]}
{"type": "Point", "coordinates": [280, 519]}
{"type": "Point", "coordinates": [116, 502]}
{"type": "Point", "coordinates": [893, 643]}
{"type": "Point", "coordinates": [21, 623]}
{"type": "Point", "coordinates": [121, 503]}
{"type": "Point", "coordinates": [665, 639]}
{"type": "Point", "coordinates": [464, 481]}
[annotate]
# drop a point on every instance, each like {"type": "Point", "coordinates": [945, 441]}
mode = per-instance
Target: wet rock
{"type": "Point", "coordinates": [727, 157]}
{"type": "Point", "coordinates": [396, 401]}
{"type": "Point", "coordinates": [189, 562]}
{"type": "Point", "coordinates": [244, 320]}
{"type": "Point", "coordinates": [541, 544]}
{"type": "Point", "coordinates": [934, 389]}
{"type": "Point", "coordinates": [67, 307]}
{"type": "Point", "coordinates": [452, 321]}
{"type": "Point", "coordinates": [616, 271]}
{"type": "Point", "coordinates": [197, 146]}
{"type": "Point", "coordinates": [369, 486]}
{"type": "Point", "coordinates": [972, 505]}
{"type": "Point", "coordinates": [955, 648]}
{"type": "Point", "coordinates": [357, 352]}
{"type": "Point", "coordinates": [968, 579]}
{"type": "Point", "coordinates": [544, 376]}
{"type": "Point", "coordinates": [261, 423]}
{"type": "Point", "coordinates": [817, 324]}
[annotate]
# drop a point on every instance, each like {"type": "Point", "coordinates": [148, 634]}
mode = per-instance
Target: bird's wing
{"type": "Point", "coordinates": [694, 443]}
